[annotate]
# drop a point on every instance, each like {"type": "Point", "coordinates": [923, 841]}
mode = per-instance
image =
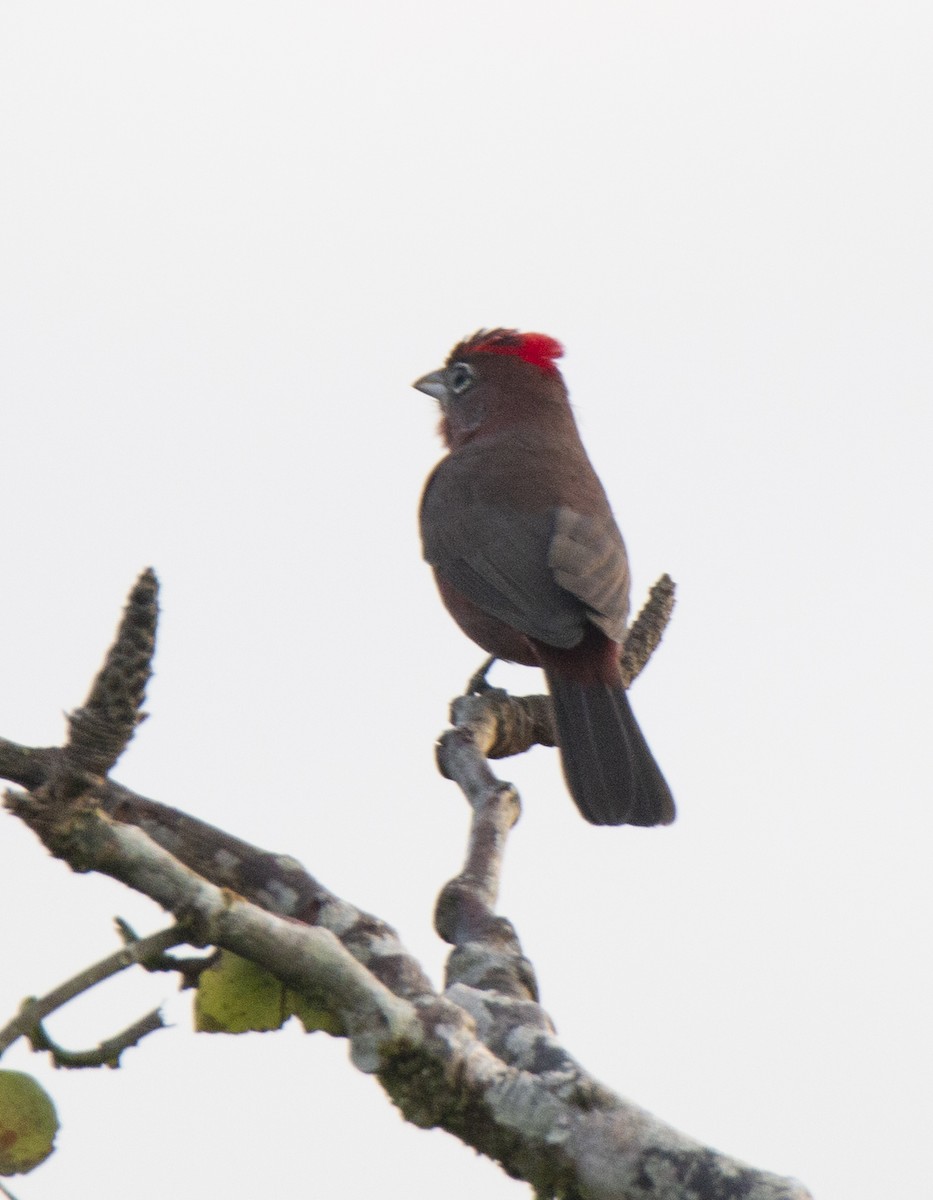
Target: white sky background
{"type": "Point", "coordinates": [231, 236]}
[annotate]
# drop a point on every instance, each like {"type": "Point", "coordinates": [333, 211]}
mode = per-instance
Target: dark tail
{"type": "Point", "coordinates": [609, 769]}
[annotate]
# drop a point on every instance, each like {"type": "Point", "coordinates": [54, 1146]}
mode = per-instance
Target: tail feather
{"type": "Point", "coordinates": [610, 771]}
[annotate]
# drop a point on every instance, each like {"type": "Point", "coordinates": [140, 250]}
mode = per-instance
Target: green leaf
{"type": "Point", "coordinates": [236, 996]}
{"type": "Point", "coordinates": [313, 1015]}
{"type": "Point", "coordinates": [28, 1123]}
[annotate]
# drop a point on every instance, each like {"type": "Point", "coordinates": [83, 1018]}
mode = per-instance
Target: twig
{"type": "Point", "coordinates": [33, 1011]}
{"type": "Point", "coordinates": [107, 1053]}
{"type": "Point", "coordinates": [190, 967]}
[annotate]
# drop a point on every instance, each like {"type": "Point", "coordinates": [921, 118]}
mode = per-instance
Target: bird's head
{"type": "Point", "coordinates": [496, 379]}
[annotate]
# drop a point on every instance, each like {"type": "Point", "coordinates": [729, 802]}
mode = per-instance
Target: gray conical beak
{"type": "Point", "coordinates": [433, 385]}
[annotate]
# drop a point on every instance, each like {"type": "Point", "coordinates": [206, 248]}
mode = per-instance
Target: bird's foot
{"type": "Point", "coordinates": [478, 683]}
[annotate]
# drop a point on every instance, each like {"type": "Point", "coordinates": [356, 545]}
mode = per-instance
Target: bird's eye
{"type": "Point", "coordinates": [460, 377]}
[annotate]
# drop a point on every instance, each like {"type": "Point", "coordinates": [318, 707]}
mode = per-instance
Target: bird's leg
{"type": "Point", "coordinates": [478, 683]}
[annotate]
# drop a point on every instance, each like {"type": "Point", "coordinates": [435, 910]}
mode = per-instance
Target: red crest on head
{"type": "Point", "coordinates": [535, 348]}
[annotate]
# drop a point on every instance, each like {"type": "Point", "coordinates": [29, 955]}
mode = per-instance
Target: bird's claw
{"type": "Point", "coordinates": [478, 683]}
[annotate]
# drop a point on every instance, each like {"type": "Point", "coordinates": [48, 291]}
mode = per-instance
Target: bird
{"type": "Point", "coordinates": [530, 563]}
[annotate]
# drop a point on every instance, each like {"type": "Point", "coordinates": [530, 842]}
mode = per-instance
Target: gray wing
{"type": "Point", "coordinates": [587, 558]}
{"type": "Point", "coordinates": [545, 573]}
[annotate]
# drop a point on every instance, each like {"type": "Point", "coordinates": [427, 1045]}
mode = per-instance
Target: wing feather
{"type": "Point", "coordinates": [587, 558]}
{"type": "Point", "coordinates": [544, 573]}
{"type": "Point", "coordinates": [501, 564]}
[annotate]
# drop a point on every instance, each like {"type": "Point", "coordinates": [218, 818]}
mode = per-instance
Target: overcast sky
{"type": "Point", "coordinates": [231, 235]}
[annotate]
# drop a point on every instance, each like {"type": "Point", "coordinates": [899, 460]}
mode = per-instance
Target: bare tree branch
{"type": "Point", "coordinates": [479, 1059]}
{"type": "Point", "coordinates": [308, 959]}
{"type": "Point", "coordinates": [33, 1011]}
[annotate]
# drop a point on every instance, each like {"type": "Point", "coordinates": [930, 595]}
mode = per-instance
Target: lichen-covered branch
{"type": "Point", "coordinates": [308, 959]}
{"type": "Point", "coordinates": [480, 1058]}
{"type": "Point", "coordinates": [599, 1144]}
{"type": "Point", "coordinates": [486, 953]}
